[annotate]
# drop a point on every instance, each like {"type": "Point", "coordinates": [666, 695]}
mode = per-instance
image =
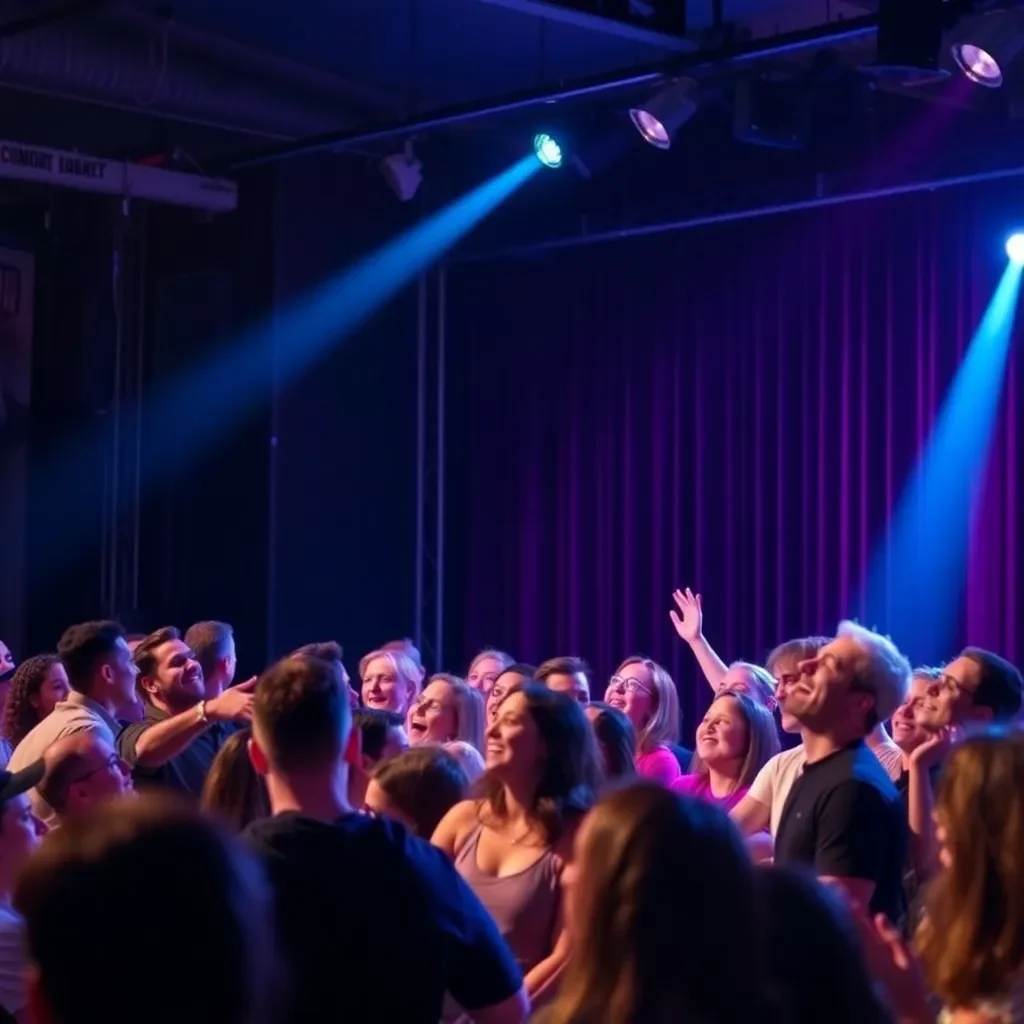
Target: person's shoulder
{"type": "Point", "coordinates": [686, 784]}
{"type": "Point", "coordinates": [867, 770]}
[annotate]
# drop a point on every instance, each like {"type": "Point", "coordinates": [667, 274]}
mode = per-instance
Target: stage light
{"type": "Point", "coordinates": [547, 149]}
{"type": "Point", "coordinates": [403, 172]}
{"type": "Point", "coordinates": [987, 46]}
{"type": "Point", "coordinates": [666, 112]}
{"type": "Point", "coordinates": [1015, 248]}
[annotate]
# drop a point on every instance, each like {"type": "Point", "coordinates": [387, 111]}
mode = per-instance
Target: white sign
{"type": "Point", "coordinates": [114, 177]}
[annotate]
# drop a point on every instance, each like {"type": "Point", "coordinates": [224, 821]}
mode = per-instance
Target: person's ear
{"type": "Point", "coordinates": [258, 757]}
{"type": "Point", "coordinates": [147, 686]}
{"type": "Point", "coordinates": [353, 753]}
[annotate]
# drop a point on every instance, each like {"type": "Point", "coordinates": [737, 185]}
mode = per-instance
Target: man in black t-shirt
{"type": "Point", "coordinates": [843, 815]}
{"type": "Point", "coordinates": [375, 924]}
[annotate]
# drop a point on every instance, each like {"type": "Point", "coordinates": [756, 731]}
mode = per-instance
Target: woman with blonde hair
{"type": "Point", "coordinates": [734, 742]}
{"type": "Point", "coordinates": [485, 668]}
{"type": "Point", "coordinates": [447, 710]}
{"type": "Point", "coordinates": [646, 859]}
{"type": "Point", "coordinates": [390, 681]}
{"type": "Point", "coordinates": [646, 694]}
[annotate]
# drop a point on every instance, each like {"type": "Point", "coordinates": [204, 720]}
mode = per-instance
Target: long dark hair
{"type": "Point", "coordinates": [571, 769]}
{"type": "Point", "coordinates": [651, 859]}
{"type": "Point", "coordinates": [233, 791]}
{"type": "Point", "coordinates": [616, 740]}
{"type": "Point", "coordinates": [20, 715]}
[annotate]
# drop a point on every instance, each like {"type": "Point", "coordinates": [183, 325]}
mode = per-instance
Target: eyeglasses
{"type": "Point", "coordinates": [628, 683]}
{"type": "Point", "coordinates": [112, 763]}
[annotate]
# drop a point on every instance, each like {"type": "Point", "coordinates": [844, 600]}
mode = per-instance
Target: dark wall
{"type": "Point", "coordinates": [344, 516]}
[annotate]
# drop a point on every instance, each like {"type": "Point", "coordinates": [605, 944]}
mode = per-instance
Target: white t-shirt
{"type": "Point", "coordinates": [890, 757]}
{"type": "Point", "coordinates": [774, 781]}
{"type": "Point", "coordinates": [13, 960]}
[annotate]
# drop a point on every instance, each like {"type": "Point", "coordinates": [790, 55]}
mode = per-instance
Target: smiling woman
{"type": "Point", "coordinates": [446, 711]}
{"type": "Point", "coordinates": [390, 681]}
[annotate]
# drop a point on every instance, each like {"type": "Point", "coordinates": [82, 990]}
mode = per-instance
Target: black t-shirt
{"type": "Point", "coordinates": [185, 773]}
{"type": "Point", "coordinates": [844, 818]}
{"type": "Point", "coordinates": [376, 924]}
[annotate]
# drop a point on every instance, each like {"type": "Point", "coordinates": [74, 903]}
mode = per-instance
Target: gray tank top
{"type": "Point", "coordinates": [524, 906]}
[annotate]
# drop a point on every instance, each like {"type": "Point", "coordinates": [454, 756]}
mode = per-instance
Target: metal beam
{"type": "Point", "coordinates": [817, 202]}
{"type": "Point", "coordinates": [809, 39]}
{"type": "Point", "coordinates": [596, 23]}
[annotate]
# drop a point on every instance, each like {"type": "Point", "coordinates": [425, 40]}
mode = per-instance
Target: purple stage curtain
{"type": "Point", "coordinates": [735, 409]}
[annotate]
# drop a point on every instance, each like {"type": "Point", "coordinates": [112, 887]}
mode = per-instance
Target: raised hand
{"type": "Point", "coordinates": [234, 704]}
{"type": "Point", "coordinates": [689, 620]}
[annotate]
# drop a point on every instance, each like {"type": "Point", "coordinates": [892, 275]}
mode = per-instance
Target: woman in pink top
{"type": "Point", "coordinates": [646, 694]}
{"type": "Point", "coordinates": [734, 741]}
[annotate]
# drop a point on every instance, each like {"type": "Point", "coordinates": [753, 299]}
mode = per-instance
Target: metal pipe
{"type": "Point", "coordinates": [442, 329]}
{"type": "Point", "coordinates": [840, 32]}
{"type": "Point", "coordinates": [750, 213]}
{"type": "Point", "coordinates": [421, 455]}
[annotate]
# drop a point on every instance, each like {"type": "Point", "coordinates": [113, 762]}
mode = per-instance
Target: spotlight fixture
{"type": "Point", "coordinates": [666, 112]}
{"type": "Point", "coordinates": [1015, 248]}
{"type": "Point", "coordinates": [548, 150]}
{"type": "Point", "coordinates": [909, 41]}
{"type": "Point", "coordinates": [403, 172]}
{"type": "Point", "coordinates": [988, 45]}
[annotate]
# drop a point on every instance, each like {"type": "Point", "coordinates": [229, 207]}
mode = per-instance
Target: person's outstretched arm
{"type": "Point", "coordinates": [689, 621]}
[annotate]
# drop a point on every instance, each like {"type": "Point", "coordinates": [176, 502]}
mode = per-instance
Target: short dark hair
{"type": "Point", "coordinates": [1000, 686]}
{"type": "Point", "coordinates": [209, 642]}
{"type": "Point", "coordinates": [373, 724]}
{"type": "Point", "coordinates": [325, 650]}
{"type": "Point", "coordinates": [145, 653]}
{"type": "Point", "coordinates": [801, 649]}
{"type": "Point", "coordinates": [424, 783]}
{"type": "Point", "coordinates": [212, 899]}
{"type": "Point", "coordinates": [568, 666]}
{"type": "Point", "coordinates": [301, 712]}
{"type": "Point", "coordinates": [520, 668]}
{"type": "Point", "coordinates": [84, 647]}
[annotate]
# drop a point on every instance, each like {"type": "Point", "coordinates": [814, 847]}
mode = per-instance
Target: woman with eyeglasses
{"type": "Point", "coordinates": [512, 842]}
{"type": "Point", "coordinates": [645, 693]}
{"type": "Point", "coordinates": [511, 676]}
{"type": "Point", "coordinates": [447, 710]}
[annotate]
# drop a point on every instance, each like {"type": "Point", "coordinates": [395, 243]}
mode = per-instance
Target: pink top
{"type": "Point", "coordinates": [660, 765]}
{"type": "Point", "coordinates": [700, 787]}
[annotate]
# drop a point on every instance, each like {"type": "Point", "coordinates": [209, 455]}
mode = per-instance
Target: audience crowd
{"type": "Point", "coordinates": [176, 845]}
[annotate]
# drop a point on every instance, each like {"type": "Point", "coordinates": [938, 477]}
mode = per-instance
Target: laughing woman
{"type": "Point", "coordinates": [734, 741]}
{"type": "Point", "coordinates": [447, 710]}
{"type": "Point", "coordinates": [646, 694]}
{"type": "Point", "coordinates": [512, 843]}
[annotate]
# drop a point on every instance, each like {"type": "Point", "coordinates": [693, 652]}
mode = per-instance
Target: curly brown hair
{"type": "Point", "coordinates": [20, 717]}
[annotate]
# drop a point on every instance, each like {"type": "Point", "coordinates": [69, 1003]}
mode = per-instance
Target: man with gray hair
{"type": "Point", "coordinates": [843, 815]}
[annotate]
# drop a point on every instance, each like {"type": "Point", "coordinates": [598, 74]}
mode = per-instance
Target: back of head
{"type": "Point", "coordinates": [407, 648]}
{"type": "Point", "coordinates": [301, 717]}
{"type": "Point", "coordinates": [1000, 685]}
{"type": "Point", "coordinates": [19, 714]}
{"type": "Point", "coordinates": [325, 650]}
{"type": "Point", "coordinates": [882, 670]}
{"type": "Point", "coordinates": [790, 653]}
{"type": "Point", "coordinates": [373, 725]}
{"type": "Point", "coordinates": [233, 791]}
{"type": "Point", "coordinates": [85, 647]}
{"type": "Point", "coordinates": [211, 642]}
{"type": "Point", "coordinates": [205, 902]}
{"type": "Point", "coordinates": [972, 941]}
{"type": "Point", "coordinates": [810, 981]}
{"type": "Point", "coordinates": [648, 859]}
{"type": "Point", "coordinates": [616, 739]}
{"type": "Point", "coordinates": [424, 783]}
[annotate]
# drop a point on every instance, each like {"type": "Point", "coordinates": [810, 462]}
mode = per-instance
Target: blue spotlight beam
{"type": "Point", "coordinates": [193, 412]}
{"type": "Point", "coordinates": [917, 575]}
